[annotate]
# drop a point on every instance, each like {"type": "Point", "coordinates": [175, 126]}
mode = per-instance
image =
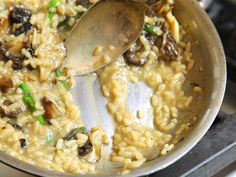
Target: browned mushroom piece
{"type": "Point", "coordinates": [51, 110]}
{"type": "Point", "coordinates": [2, 113]}
{"type": "Point", "coordinates": [131, 58]}
{"type": "Point", "coordinates": [10, 114]}
{"type": "Point", "coordinates": [5, 55]}
{"type": "Point", "coordinates": [86, 149]}
{"type": "Point", "coordinates": [131, 55]}
{"type": "Point", "coordinates": [93, 147]}
{"type": "Point", "coordinates": [7, 102]}
{"type": "Point", "coordinates": [5, 83]}
{"type": "Point", "coordinates": [13, 114]}
{"type": "Point", "coordinates": [169, 48]}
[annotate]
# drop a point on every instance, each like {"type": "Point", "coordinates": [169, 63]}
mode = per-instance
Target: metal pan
{"type": "Point", "coordinates": [209, 50]}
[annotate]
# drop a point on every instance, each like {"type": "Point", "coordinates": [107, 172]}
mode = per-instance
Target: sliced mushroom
{"type": "Point", "coordinates": [20, 15]}
{"type": "Point", "coordinates": [23, 29]}
{"type": "Point", "coordinates": [133, 59]}
{"type": "Point", "coordinates": [23, 143]}
{"type": "Point", "coordinates": [17, 61]}
{"type": "Point", "coordinates": [30, 49]}
{"type": "Point", "coordinates": [97, 137]}
{"type": "Point", "coordinates": [11, 113]}
{"type": "Point", "coordinates": [131, 55]}
{"type": "Point", "coordinates": [5, 83]}
{"type": "Point", "coordinates": [5, 55]}
{"type": "Point", "coordinates": [86, 149]}
{"type": "Point", "coordinates": [51, 110]}
{"type": "Point", "coordinates": [7, 102]}
{"type": "Point", "coordinates": [169, 47]}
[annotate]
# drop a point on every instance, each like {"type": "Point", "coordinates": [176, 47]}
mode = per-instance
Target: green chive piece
{"type": "Point", "coordinates": [3, 10]}
{"type": "Point", "coordinates": [59, 73]}
{"type": "Point", "coordinates": [150, 29]}
{"type": "Point", "coordinates": [51, 15]}
{"type": "Point", "coordinates": [27, 97]}
{"type": "Point", "coordinates": [65, 85]}
{"type": "Point", "coordinates": [29, 101]}
{"type": "Point", "coordinates": [82, 130]}
{"type": "Point", "coordinates": [53, 3]}
{"type": "Point", "coordinates": [41, 120]}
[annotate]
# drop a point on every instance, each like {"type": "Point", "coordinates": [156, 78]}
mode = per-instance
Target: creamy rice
{"type": "Point", "coordinates": [45, 143]}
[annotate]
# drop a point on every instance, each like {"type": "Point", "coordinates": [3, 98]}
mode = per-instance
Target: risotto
{"type": "Point", "coordinates": [40, 123]}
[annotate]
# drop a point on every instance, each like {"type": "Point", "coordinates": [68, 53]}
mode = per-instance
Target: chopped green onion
{"type": "Point", "coordinates": [63, 82]}
{"type": "Point", "coordinates": [53, 3]}
{"type": "Point", "coordinates": [51, 15]}
{"type": "Point", "coordinates": [1, 11]}
{"type": "Point", "coordinates": [65, 85]}
{"type": "Point", "coordinates": [82, 130]}
{"type": "Point", "coordinates": [29, 100]}
{"type": "Point", "coordinates": [58, 72]}
{"type": "Point", "coordinates": [41, 120]}
{"type": "Point", "coordinates": [150, 29]}
{"type": "Point", "coordinates": [27, 97]}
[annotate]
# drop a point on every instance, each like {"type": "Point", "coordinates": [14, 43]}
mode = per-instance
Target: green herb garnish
{"type": "Point", "coordinates": [150, 29]}
{"type": "Point", "coordinates": [53, 4]}
{"type": "Point", "coordinates": [59, 73]}
{"type": "Point", "coordinates": [29, 101]}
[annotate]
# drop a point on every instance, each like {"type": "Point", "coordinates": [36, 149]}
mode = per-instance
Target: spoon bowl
{"type": "Point", "coordinates": [103, 34]}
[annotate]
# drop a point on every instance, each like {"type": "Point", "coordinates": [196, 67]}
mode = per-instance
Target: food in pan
{"type": "Point", "coordinates": [40, 123]}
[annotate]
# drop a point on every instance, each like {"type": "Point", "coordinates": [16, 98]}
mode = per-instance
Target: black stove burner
{"type": "Point", "coordinates": [223, 14]}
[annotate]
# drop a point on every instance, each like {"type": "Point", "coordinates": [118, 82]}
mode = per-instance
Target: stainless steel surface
{"type": "Point", "coordinates": [209, 50]}
{"type": "Point", "coordinates": [107, 23]}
